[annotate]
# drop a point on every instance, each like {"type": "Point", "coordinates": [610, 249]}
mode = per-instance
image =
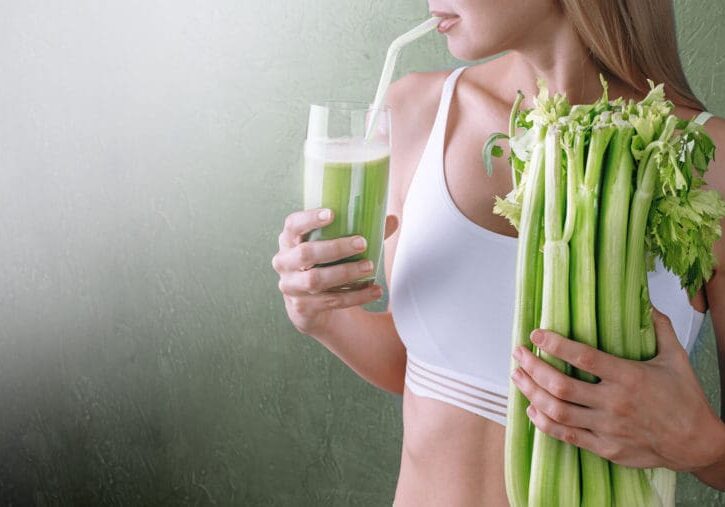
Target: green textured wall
{"type": "Point", "coordinates": [149, 153]}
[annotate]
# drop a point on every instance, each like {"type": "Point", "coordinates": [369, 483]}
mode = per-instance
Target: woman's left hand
{"type": "Point", "coordinates": [641, 414]}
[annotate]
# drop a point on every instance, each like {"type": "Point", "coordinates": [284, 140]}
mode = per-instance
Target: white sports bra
{"type": "Point", "coordinates": [452, 292]}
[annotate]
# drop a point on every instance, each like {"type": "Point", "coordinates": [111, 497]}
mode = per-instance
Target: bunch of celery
{"type": "Point", "coordinates": [599, 191]}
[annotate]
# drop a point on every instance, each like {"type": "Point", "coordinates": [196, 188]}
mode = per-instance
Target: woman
{"type": "Point", "coordinates": [444, 343]}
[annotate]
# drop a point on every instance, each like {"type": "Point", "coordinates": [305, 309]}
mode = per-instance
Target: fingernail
{"type": "Point", "coordinates": [537, 336]}
{"type": "Point", "coordinates": [359, 243]}
{"type": "Point", "coordinates": [517, 353]}
{"type": "Point", "coordinates": [324, 214]}
{"type": "Point", "coordinates": [366, 266]}
{"type": "Point", "coordinates": [531, 411]}
{"type": "Point", "coordinates": [516, 374]}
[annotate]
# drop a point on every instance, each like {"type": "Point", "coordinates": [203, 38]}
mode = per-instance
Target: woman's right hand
{"type": "Point", "coordinates": [302, 285]}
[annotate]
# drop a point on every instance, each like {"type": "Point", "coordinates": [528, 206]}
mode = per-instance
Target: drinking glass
{"type": "Point", "coordinates": [346, 169]}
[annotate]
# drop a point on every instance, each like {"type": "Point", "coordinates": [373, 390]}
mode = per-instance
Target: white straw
{"type": "Point", "coordinates": [387, 75]}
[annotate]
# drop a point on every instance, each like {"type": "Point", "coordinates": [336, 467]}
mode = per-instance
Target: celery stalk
{"type": "Point", "coordinates": [649, 339]}
{"type": "Point", "coordinates": [628, 485]}
{"type": "Point", "coordinates": [518, 440]}
{"type": "Point", "coordinates": [612, 241]}
{"type": "Point", "coordinates": [595, 479]}
{"type": "Point", "coordinates": [583, 266]}
{"type": "Point", "coordinates": [664, 483]}
{"type": "Point", "coordinates": [662, 480]}
{"type": "Point", "coordinates": [554, 464]}
{"type": "Point", "coordinates": [634, 266]}
{"type": "Point", "coordinates": [632, 486]}
{"type": "Point", "coordinates": [647, 173]}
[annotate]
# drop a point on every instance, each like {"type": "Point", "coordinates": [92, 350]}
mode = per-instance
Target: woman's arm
{"type": "Point", "coordinates": [715, 293]}
{"type": "Point", "coordinates": [716, 301]}
{"type": "Point", "coordinates": [714, 475]}
{"type": "Point", "coordinates": [368, 343]}
{"type": "Point", "coordinates": [715, 287]}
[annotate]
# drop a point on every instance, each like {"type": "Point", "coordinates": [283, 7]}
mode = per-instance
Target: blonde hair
{"type": "Point", "coordinates": [634, 40]}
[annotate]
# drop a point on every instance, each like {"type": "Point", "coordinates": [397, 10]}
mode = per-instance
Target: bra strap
{"type": "Point", "coordinates": [702, 118]}
{"type": "Point", "coordinates": [447, 95]}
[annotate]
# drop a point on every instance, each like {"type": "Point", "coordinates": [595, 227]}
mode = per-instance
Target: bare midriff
{"type": "Point", "coordinates": [450, 456]}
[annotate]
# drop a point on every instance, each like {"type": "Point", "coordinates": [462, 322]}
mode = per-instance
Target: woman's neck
{"type": "Point", "coordinates": [556, 54]}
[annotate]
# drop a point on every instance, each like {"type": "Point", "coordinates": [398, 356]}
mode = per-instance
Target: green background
{"type": "Point", "coordinates": [149, 152]}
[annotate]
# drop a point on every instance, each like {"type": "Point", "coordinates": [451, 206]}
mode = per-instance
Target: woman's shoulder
{"type": "Point", "coordinates": [715, 127]}
{"type": "Point", "coordinates": [416, 91]}
{"type": "Point", "coordinates": [413, 101]}
{"type": "Point", "coordinates": [417, 94]}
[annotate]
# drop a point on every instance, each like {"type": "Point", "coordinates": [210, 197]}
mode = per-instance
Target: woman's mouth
{"type": "Point", "coordinates": [447, 22]}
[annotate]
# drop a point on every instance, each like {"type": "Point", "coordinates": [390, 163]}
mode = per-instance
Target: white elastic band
{"type": "Point", "coordinates": [702, 118]}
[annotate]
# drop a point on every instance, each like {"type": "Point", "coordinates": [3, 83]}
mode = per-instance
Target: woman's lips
{"type": "Point", "coordinates": [448, 21]}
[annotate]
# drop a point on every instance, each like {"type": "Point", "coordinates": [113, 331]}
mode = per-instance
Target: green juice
{"type": "Point", "coordinates": [350, 178]}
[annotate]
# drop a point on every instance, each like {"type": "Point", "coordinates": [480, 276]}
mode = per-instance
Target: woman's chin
{"type": "Point", "coordinates": [462, 51]}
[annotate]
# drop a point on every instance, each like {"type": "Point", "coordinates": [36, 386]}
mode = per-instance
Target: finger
{"type": "Point", "coordinates": [300, 223]}
{"type": "Point", "coordinates": [316, 280]}
{"type": "Point", "coordinates": [558, 410]}
{"type": "Point", "coordinates": [579, 355]}
{"type": "Point", "coordinates": [337, 300]}
{"type": "Point", "coordinates": [555, 382]}
{"type": "Point", "coordinates": [355, 298]}
{"type": "Point", "coordinates": [575, 436]}
{"type": "Point", "coordinates": [666, 337]}
{"type": "Point", "coordinates": [305, 255]}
